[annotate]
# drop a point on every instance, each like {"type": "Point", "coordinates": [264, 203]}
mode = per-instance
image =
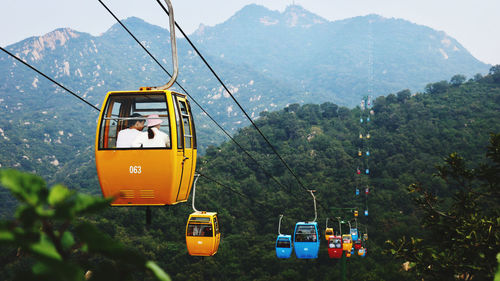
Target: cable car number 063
{"type": "Point", "coordinates": [135, 169]}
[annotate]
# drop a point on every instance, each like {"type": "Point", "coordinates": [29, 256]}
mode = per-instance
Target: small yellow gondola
{"type": "Point", "coordinates": [328, 233]}
{"type": "Point", "coordinates": [202, 234]}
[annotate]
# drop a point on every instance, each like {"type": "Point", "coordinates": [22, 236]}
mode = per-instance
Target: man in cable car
{"type": "Point", "coordinates": [127, 136]}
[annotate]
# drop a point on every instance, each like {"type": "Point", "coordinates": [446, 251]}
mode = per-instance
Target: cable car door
{"type": "Point", "coordinates": [186, 144]}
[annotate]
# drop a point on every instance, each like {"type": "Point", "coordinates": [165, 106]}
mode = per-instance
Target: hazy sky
{"type": "Point", "coordinates": [473, 23]}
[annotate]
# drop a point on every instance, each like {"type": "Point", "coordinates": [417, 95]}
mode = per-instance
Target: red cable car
{"type": "Point", "coordinates": [335, 247]}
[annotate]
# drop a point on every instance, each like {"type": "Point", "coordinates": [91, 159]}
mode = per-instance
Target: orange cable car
{"type": "Point", "coordinates": [158, 170]}
{"type": "Point", "coordinates": [202, 231]}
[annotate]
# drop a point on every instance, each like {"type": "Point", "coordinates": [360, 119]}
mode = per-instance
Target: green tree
{"type": "Point", "coordinates": [48, 227]}
{"type": "Point", "coordinates": [457, 80]}
{"type": "Point", "coordinates": [461, 239]}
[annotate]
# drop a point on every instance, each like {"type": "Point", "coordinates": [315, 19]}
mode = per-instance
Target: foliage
{"type": "Point", "coordinates": [48, 227]}
{"type": "Point", "coordinates": [462, 238]}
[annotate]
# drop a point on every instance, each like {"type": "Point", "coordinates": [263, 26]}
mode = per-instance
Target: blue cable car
{"type": "Point", "coordinates": [367, 153]}
{"type": "Point", "coordinates": [367, 171]}
{"type": "Point", "coordinates": [354, 234]}
{"type": "Point", "coordinates": [284, 246]}
{"type": "Point", "coordinates": [283, 243]}
{"type": "Point", "coordinates": [360, 120]}
{"type": "Point", "coordinates": [305, 240]}
{"type": "Point", "coordinates": [357, 191]}
{"type": "Point", "coordinates": [368, 119]}
{"type": "Point", "coordinates": [366, 213]}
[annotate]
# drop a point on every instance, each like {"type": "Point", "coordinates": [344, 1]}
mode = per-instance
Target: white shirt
{"type": "Point", "coordinates": [159, 140]}
{"type": "Point", "coordinates": [126, 137]}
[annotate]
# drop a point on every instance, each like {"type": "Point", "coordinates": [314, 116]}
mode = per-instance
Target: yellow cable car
{"type": "Point", "coordinates": [347, 242]}
{"type": "Point", "coordinates": [147, 175]}
{"type": "Point", "coordinates": [356, 213]}
{"type": "Point", "coordinates": [202, 234]}
{"type": "Point", "coordinates": [328, 233]}
{"type": "Point", "coordinates": [146, 168]}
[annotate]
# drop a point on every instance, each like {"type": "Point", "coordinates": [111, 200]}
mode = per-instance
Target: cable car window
{"type": "Point", "coordinates": [305, 233]}
{"type": "Point", "coordinates": [216, 225]}
{"type": "Point", "coordinates": [283, 243]}
{"type": "Point", "coordinates": [195, 145]}
{"type": "Point", "coordinates": [199, 219]}
{"type": "Point", "coordinates": [125, 115]}
{"type": "Point", "coordinates": [186, 123]}
{"type": "Point", "coordinates": [180, 144]}
{"type": "Point", "coordinates": [204, 230]}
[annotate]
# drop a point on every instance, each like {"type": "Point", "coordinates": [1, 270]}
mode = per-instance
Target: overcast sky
{"type": "Point", "coordinates": [473, 23]}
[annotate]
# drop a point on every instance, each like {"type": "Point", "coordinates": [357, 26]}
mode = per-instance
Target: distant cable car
{"type": "Point", "coordinates": [360, 153]}
{"type": "Point", "coordinates": [365, 236]}
{"type": "Point", "coordinates": [306, 237]}
{"type": "Point", "coordinates": [367, 171]}
{"type": "Point", "coordinates": [366, 213]}
{"type": "Point", "coordinates": [283, 243]}
{"type": "Point", "coordinates": [202, 231]}
{"type": "Point", "coordinates": [367, 153]}
{"type": "Point", "coordinates": [157, 171]}
{"type": "Point", "coordinates": [367, 190]}
{"type": "Point", "coordinates": [328, 233]}
{"type": "Point", "coordinates": [357, 244]}
{"type": "Point", "coordinates": [372, 112]}
{"type": "Point", "coordinates": [362, 252]}
{"type": "Point", "coordinates": [368, 119]}
{"type": "Point", "coordinates": [335, 247]}
{"type": "Point", "coordinates": [357, 191]}
{"type": "Point", "coordinates": [356, 213]}
{"type": "Point", "coordinates": [305, 240]}
{"type": "Point", "coordinates": [360, 120]}
{"type": "Point", "coordinates": [360, 136]}
{"type": "Point", "coordinates": [354, 234]}
{"type": "Point", "coordinates": [358, 171]}
{"type": "Point", "coordinates": [368, 136]}
{"type": "Point", "coordinates": [284, 246]}
{"type": "Point", "coordinates": [202, 234]}
{"type": "Point", "coordinates": [347, 242]}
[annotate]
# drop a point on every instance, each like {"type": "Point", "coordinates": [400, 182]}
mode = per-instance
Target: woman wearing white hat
{"type": "Point", "coordinates": [154, 137]}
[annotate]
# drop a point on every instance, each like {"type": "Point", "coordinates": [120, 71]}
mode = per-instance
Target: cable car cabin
{"type": "Point", "coordinates": [347, 242]}
{"type": "Point", "coordinates": [366, 213]}
{"type": "Point", "coordinates": [202, 234]}
{"type": "Point", "coordinates": [357, 244]}
{"type": "Point", "coordinates": [362, 252]}
{"type": "Point", "coordinates": [356, 212]}
{"type": "Point", "coordinates": [284, 246]}
{"type": "Point", "coordinates": [365, 236]}
{"type": "Point", "coordinates": [335, 247]}
{"type": "Point", "coordinates": [135, 171]}
{"type": "Point", "coordinates": [328, 233]}
{"type": "Point", "coordinates": [306, 240]}
{"type": "Point", "coordinates": [354, 234]}
{"type": "Point", "coordinates": [360, 153]}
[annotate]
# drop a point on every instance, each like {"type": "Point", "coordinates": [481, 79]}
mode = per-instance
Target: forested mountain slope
{"type": "Point", "coordinates": [410, 134]}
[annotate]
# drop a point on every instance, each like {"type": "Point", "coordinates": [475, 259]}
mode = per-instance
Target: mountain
{"type": "Point", "coordinates": [341, 60]}
{"type": "Point", "coordinates": [267, 59]}
{"type": "Point", "coordinates": [410, 135]}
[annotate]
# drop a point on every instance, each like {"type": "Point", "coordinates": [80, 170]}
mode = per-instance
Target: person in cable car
{"type": "Point", "coordinates": [335, 247]}
{"type": "Point", "coordinates": [127, 136]}
{"type": "Point", "coordinates": [154, 137]}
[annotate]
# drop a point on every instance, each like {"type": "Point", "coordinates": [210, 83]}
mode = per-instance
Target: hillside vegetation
{"type": "Point", "coordinates": [411, 133]}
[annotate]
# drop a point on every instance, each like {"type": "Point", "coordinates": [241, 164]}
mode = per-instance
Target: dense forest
{"type": "Point", "coordinates": [411, 133]}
